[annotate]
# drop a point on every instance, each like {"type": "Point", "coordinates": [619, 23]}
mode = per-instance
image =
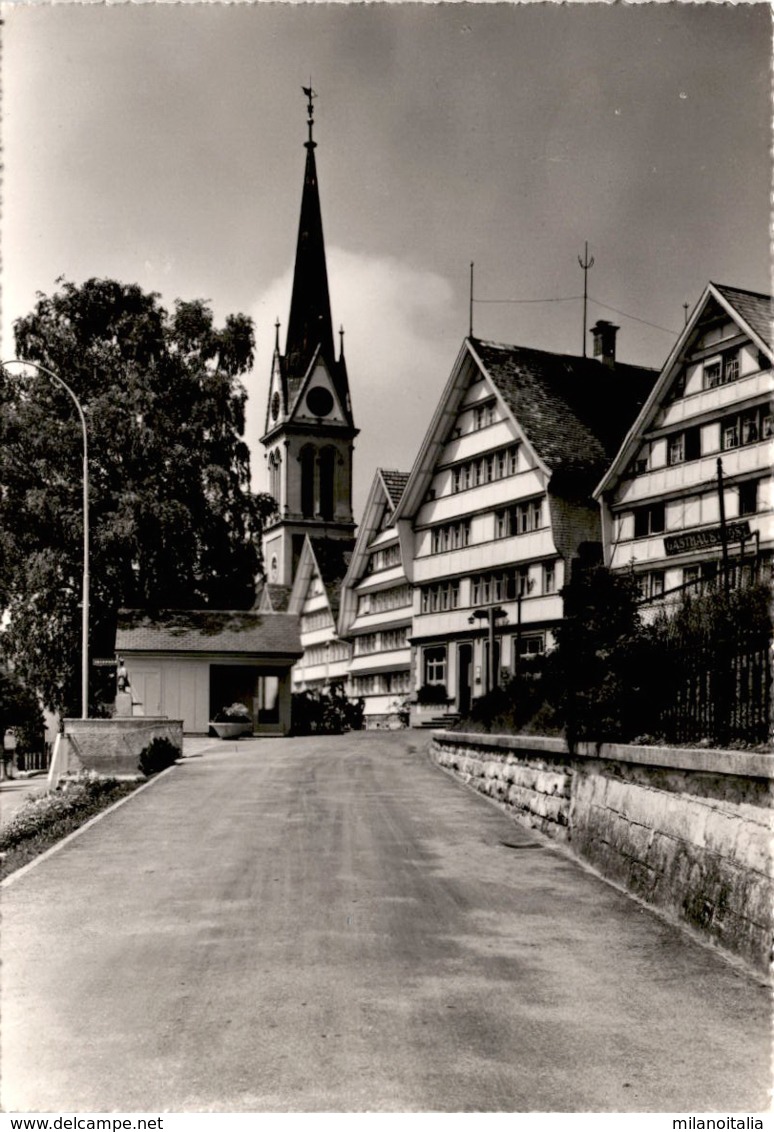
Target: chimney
{"type": "Point", "coordinates": [604, 341]}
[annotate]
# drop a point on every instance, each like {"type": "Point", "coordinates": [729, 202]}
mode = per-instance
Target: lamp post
{"type": "Point", "coordinates": [85, 612]}
{"type": "Point", "coordinates": [490, 614]}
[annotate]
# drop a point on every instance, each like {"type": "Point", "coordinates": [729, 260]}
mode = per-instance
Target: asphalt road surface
{"type": "Point", "coordinates": [335, 925]}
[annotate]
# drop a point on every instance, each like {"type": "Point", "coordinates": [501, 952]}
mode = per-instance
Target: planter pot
{"type": "Point", "coordinates": [231, 730]}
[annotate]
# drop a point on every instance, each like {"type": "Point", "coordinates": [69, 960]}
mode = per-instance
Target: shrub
{"type": "Point", "coordinates": [432, 694]}
{"type": "Point", "coordinates": [326, 713]}
{"type": "Point", "coordinates": [234, 713]}
{"type": "Point", "coordinates": [158, 755]}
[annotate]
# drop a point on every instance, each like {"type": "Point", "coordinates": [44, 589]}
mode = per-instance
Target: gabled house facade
{"type": "Point", "coordinates": [377, 606]}
{"type": "Point", "coordinates": [314, 600]}
{"type": "Point", "coordinates": [499, 505]}
{"type": "Point", "coordinates": [687, 502]}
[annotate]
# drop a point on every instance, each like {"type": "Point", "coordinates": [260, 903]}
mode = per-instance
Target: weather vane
{"type": "Point", "coordinates": [310, 94]}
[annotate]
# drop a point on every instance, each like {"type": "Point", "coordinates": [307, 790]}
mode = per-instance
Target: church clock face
{"type": "Point", "coordinates": [275, 406]}
{"type": "Point", "coordinates": [319, 401]}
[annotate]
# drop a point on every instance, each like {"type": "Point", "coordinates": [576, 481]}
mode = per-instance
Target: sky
{"type": "Point", "coordinates": [162, 144]}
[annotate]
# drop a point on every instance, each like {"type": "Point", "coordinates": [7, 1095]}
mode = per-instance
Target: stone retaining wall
{"type": "Point", "coordinates": [113, 746]}
{"type": "Point", "coordinates": [689, 831]}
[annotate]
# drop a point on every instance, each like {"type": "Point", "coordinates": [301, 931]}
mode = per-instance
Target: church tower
{"type": "Point", "coordinates": [309, 425]}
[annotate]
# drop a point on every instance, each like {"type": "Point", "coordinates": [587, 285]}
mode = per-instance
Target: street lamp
{"type": "Point", "coordinates": [85, 615]}
{"type": "Point", "coordinates": [490, 615]}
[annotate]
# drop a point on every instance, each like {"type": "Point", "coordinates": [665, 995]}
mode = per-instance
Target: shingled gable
{"type": "Point", "coordinates": [394, 484]}
{"type": "Point", "coordinates": [573, 412]}
{"type": "Point", "coordinates": [330, 559]}
{"type": "Point", "coordinates": [237, 632]}
{"type": "Point", "coordinates": [752, 311]}
{"type": "Point", "coordinates": [387, 487]}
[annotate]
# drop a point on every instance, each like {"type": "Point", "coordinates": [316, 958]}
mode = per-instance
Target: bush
{"type": "Point", "coordinates": [158, 755]}
{"type": "Point", "coordinates": [78, 798]}
{"type": "Point", "coordinates": [234, 713]}
{"type": "Point", "coordinates": [432, 694]}
{"type": "Point", "coordinates": [326, 713]}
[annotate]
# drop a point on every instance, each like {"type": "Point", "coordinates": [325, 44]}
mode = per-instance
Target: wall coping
{"type": "Point", "coordinates": [743, 764]}
{"type": "Point", "coordinates": [128, 721]}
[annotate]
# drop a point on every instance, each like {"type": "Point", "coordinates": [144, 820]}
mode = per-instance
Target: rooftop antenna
{"type": "Point", "coordinates": [685, 311]}
{"type": "Point", "coordinates": [585, 263]}
{"type": "Point", "coordinates": [470, 327]}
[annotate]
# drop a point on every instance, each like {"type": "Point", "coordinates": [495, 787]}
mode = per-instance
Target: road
{"type": "Point", "coordinates": [335, 925]}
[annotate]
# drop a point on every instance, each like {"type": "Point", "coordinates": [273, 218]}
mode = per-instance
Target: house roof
{"type": "Point", "coordinates": [209, 630]}
{"type": "Point", "coordinates": [394, 483]}
{"type": "Point", "coordinates": [273, 598]}
{"type": "Point", "coordinates": [751, 309]}
{"type": "Point", "coordinates": [574, 411]}
{"type": "Point", "coordinates": [756, 310]}
{"type": "Point", "coordinates": [332, 557]}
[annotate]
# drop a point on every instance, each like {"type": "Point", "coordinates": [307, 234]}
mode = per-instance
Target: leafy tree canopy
{"type": "Point", "coordinates": [173, 521]}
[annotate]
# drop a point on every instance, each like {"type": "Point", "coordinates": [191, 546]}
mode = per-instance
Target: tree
{"type": "Point", "coordinates": [173, 521]}
{"type": "Point", "coordinates": [602, 666]}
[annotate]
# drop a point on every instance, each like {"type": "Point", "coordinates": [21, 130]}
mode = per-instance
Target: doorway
{"type": "Point", "coordinates": [464, 677]}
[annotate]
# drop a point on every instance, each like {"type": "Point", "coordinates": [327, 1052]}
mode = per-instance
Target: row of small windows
{"type": "Point", "coordinates": [736, 431]}
{"type": "Point", "coordinates": [521, 518]}
{"type": "Point", "coordinates": [384, 559]}
{"type": "Point", "coordinates": [434, 657]}
{"type": "Point", "coordinates": [450, 537]}
{"type": "Point", "coordinates": [326, 653]}
{"type": "Point", "coordinates": [485, 469]}
{"type": "Point", "coordinates": [496, 585]}
{"type": "Point", "coordinates": [651, 519]}
{"type": "Point", "coordinates": [320, 619]}
{"type": "Point", "coordinates": [381, 684]}
{"type": "Point", "coordinates": [384, 600]}
{"type": "Point", "coordinates": [699, 578]}
{"type": "Point", "coordinates": [386, 641]}
{"type": "Point", "coordinates": [717, 371]}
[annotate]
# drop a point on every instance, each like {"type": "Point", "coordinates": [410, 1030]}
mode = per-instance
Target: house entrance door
{"type": "Point", "coordinates": [464, 677]}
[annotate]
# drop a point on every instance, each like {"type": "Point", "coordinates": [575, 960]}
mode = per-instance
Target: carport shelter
{"type": "Point", "coordinates": [188, 664]}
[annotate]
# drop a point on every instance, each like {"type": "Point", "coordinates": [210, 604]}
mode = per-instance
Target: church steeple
{"type": "Point", "coordinates": [309, 424]}
{"type": "Point", "coordinates": [310, 325]}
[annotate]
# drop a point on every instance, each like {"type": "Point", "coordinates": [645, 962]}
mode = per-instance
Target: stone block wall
{"type": "Point", "coordinates": [113, 746]}
{"type": "Point", "coordinates": [689, 831]}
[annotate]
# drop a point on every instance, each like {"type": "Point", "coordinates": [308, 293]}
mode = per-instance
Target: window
{"type": "Point", "coordinates": [451, 537]}
{"type": "Point", "coordinates": [485, 469]}
{"type": "Point", "coordinates": [549, 577]}
{"type": "Point", "coordinates": [534, 644]}
{"type": "Point", "coordinates": [691, 579]}
{"type": "Point", "coordinates": [327, 482]}
{"type": "Point", "coordinates": [483, 415]}
{"type": "Point", "coordinates": [366, 644]}
{"type": "Point", "coordinates": [519, 520]}
{"type": "Point", "coordinates": [440, 597]}
{"type": "Point", "coordinates": [501, 585]}
{"type": "Point", "coordinates": [394, 639]}
{"type": "Point", "coordinates": [434, 660]}
{"type": "Point", "coordinates": [385, 559]}
{"type": "Point", "coordinates": [676, 449]}
{"type": "Point", "coordinates": [748, 497]}
{"type": "Point", "coordinates": [649, 520]}
{"type": "Point", "coordinates": [719, 371]}
{"type": "Point", "coordinates": [746, 428]}
{"type": "Point", "coordinates": [651, 584]}
{"type": "Point", "coordinates": [307, 481]}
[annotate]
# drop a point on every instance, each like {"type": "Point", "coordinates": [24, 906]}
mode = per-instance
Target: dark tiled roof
{"type": "Point", "coordinates": [574, 411]}
{"type": "Point", "coordinates": [333, 558]}
{"type": "Point", "coordinates": [275, 597]}
{"type": "Point", "coordinates": [395, 483]}
{"type": "Point", "coordinates": [209, 630]}
{"type": "Point", "coordinates": [756, 309]}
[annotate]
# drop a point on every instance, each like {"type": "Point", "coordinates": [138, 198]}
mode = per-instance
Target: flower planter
{"type": "Point", "coordinates": [231, 730]}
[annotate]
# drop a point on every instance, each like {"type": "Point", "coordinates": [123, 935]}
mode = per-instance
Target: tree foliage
{"type": "Point", "coordinates": [173, 521]}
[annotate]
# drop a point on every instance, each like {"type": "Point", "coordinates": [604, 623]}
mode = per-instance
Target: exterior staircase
{"type": "Point", "coordinates": [441, 722]}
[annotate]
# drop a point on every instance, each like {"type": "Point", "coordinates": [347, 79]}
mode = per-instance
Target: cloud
{"type": "Point", "coordinates": [402, 333]}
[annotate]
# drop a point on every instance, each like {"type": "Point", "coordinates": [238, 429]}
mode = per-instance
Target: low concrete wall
{"type": "Point", "coordinates": [689, 831]}
{"type": "Point", "coordinates": [113, 746]}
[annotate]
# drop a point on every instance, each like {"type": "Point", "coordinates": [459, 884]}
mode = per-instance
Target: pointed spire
{"type": "Point", "coordinates": [341, 343]}
{"type": "Point", "coordinates": [276, 336]}
{"type": "Point", "coordinates": [309, 324]}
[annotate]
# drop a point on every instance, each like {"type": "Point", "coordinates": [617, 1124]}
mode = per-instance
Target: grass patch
{"type": "Point", "coordinates": [44, 820]}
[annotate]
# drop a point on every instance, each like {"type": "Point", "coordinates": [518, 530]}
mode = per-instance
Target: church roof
{"type": "Point", "coordinates": [574, 411]}
{"type": "Point", "coordinates": [394, 483]}
{"type": "Point", "coordinates": [209, 630]}
{"type": "Point", "coordinates": [273, 597]}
